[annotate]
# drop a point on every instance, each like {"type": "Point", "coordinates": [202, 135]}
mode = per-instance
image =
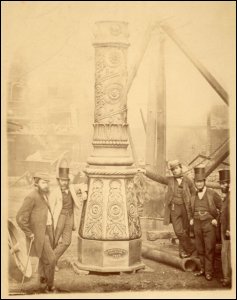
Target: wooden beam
{"type": "Point", "coordinates": [133, 72]}
{"type": "Point", "coordinates": [150, 136]}
{"type": "Point", "coordinates": [221, 155]}
{"type": "Point", "coordinates": [200, 67]}
{"type": "Point", "coordinates": [134, 153]}
{"type": "Point", "coordinates": [152, 106]}
{"type": "Point", "coordinates": [161, 106]}
{"type": "Point", "coordinates": [135, 68]}
{"type": "Point", "coordinates": [143, 120]}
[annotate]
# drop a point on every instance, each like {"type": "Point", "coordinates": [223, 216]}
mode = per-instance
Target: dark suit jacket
{"type": "Point", "coordinates": [214, 203]}
{"type": "Point", "coordinates": [188, 190]}
{"type": "Point", "coordinates": [32, 218]}
{"type": "Point", "coordinates": [225, 215]}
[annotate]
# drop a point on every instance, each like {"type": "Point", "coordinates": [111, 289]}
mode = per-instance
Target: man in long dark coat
{"type": "Point", "coordinates": [224, 179]}
{"type": "Point", "coordinates": [35, 220]}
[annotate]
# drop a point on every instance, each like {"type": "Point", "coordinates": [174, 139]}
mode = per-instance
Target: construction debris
{"type": "Point", "coordinates": [186, 264]}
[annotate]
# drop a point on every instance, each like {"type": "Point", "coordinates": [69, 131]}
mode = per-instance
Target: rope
{"type": "Point", "coordinates": [111, 172]}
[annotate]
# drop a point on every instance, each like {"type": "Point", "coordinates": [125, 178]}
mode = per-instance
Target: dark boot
{"type": "Point", "coordinates": [199, 273]}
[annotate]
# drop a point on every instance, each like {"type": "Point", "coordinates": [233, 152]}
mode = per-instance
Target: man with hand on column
{"type": "Point", "coordinates": [177, 203]}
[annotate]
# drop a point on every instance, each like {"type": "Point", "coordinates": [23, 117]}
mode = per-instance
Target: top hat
{"type": "Point", "coordinates": [199, 173]}
{"type": "Point", "coordinates": [174, 163]}
{"type": "Point", "coordinates": [63, 169]}
{"type": "Point", "coordinates": [41, 175]}
{"type": "Point", "coordinates": [224, 175]}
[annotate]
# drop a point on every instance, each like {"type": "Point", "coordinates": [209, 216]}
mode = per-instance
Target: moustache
{"type": "Point", "coordinates": [44, 190]}
{"type": "Point", "coordinates": [64, 185]}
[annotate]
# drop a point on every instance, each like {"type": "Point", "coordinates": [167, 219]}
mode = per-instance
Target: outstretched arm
{"type": "Point", "coordinates": [152, 174]}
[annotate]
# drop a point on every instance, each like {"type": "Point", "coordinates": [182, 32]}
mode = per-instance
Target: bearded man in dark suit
{"type": "Point", "coordinates": [36, 221]}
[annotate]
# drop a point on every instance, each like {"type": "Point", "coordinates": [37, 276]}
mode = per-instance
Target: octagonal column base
{"type": "Point", "coordinates": [109, 256]}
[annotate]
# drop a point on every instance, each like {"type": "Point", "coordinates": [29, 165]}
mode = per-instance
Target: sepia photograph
{"type": "Point", "coordinates": [118, 149]}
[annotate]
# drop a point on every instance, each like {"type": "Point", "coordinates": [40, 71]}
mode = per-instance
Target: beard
{"type": "Point", "coordinates": [64, 187]}
{"type": "Point", "coordinates": [44, 190]}
{"type": "Point", "coordinates": [178, 175]}
{"type": "Point", "coordinates": [199, 190]}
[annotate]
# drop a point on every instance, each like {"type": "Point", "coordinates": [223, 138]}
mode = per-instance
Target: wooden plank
{"type": "Point", "coordinates": [134, 153]}
{"type": "Point", "coordinates": [145, 42]}
{"type": "Point", "coordinates": [200, 67]}
{"type": "Point", "coordinates": [143, 119]}
{"type": "Point", "coordinates": [221, 155]}
{"type": "Point", "coordinates": [161, 107]}
{"type": "Point", "coordinates": [152, 107]}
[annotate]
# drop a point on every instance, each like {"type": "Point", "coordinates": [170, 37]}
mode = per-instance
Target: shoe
{"type": "Point", "coordinates": [193, 252]}
{"type": "Point", "coordinates": [208, 277]}
{"type": "Point", "coordinates": [51, 289]}
{"type": "Point", "coordinates": [184, 255]}
{"type": "Point", "coordinates": [199, 273]}
{"type": "Point", "coordinates": [42, 287]}
{"type": "Point", "coordinates": [226, 283]}
{"type": "Point", "coordinates": [42, 284]}
{"type": "Point", "coordinates": [43, 279]}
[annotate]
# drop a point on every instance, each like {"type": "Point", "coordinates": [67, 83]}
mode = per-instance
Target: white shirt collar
{"type": "Point", "coordinates": [201, 194]}
{"type": "Point", "coordinates": [179, 179]}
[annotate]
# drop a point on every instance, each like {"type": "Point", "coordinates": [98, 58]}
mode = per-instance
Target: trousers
{"type": "Point", "coordinates": [226, 258]}
{"type": "Point", "coordinates": [205, 239]}
{"type": "Point", "coordinates": [47, 261]}
{"type": "Point", "coordinates": [63, 231]}
{"type": "Point", "coordinates": [180, 222]}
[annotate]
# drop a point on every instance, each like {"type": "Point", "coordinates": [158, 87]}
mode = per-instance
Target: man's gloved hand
{"type": "Point", "coordinates": [191, 222]}
{"type": "Point", "coordinates": [214, 222]}
{"type": "Point", "coordinates": [78, 192]}
{"type": "Point", "coordinates": [32, 237]}
{"type": "Point", "coordinates": [141, 170]}
{"type": "Point", "coordinates": [227, 233]}
{"type": "Point", "coordinates": [84, 196]}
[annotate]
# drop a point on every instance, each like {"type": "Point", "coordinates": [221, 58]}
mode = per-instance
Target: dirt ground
{"type": "Point", "coordinates": [156, 276]}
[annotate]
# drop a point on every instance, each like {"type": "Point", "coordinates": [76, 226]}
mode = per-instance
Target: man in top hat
{"type": "Point", "coordinates": [66, 204]}
{"type": "Point", "coordinates": [224, 180]}
{"type": "Point", "coordinates": [177, 203]}
{"type": "Point", "coordinates": [206, 205]}
{"type": "Point", "coordinates": [35, 220]}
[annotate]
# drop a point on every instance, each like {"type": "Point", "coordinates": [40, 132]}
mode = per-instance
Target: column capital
{"type": "Point", "coordinates": [112, 33]}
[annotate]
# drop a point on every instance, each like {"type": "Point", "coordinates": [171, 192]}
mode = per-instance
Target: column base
{"type": "Point", "coordinates": [109, 269]}
{"type": "Point", "coordinates": [109, 256]}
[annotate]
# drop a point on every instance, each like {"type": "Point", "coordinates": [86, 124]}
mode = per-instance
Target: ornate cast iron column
{"type": "Point", "coordinates": [110, 232]}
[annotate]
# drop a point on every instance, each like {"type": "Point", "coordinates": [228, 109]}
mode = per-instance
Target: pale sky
{"type": "Point", "coordinates": [54, 39]}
